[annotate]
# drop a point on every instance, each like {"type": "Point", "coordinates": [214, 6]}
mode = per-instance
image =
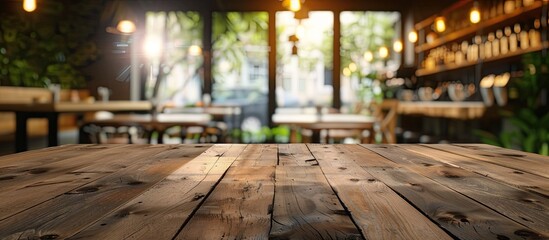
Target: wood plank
{"type": "Point", "coordinates": [512, 153]}
{"type": "Point", "coordinates": [160, 212]}
{"type": "Point", "coordinates": [462, 217]}
{"type": "Point", "coordinates": [13, 162]}
{"type": "Point", "coordinates": [69, 213]}
{"type": "Point", "coordinates": [526, 208]}
{"type": "Point", "coordinates": [295, 155]}
{"type": "Point", "coordinates": [240, 206]}
{"type": "Point", "coordinates": [520, 179]}
{"type": "Point", "coordinates": [521, 161]}
{"type": "Point", "coordinates": [378, 211]}
{"type": "Point", "coordinates": [40, 184]}
{"type": "Point", "coordinates": [258, 155]}
{"type": "Point", "coordinates": [27, 169]}
{"type": "Point", "coordinates": [305, 207]}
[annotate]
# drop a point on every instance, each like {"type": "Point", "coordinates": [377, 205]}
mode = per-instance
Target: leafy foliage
{"type": "Point", "coordinates": [51, 44]}
{"type": "Point", "coordinates": [531, 122]}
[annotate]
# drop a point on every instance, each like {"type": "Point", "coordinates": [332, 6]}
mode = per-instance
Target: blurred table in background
{"type": "Point", "coordinates": [330, 121]}
{"type": "Point", "coordinates": [51, 111]}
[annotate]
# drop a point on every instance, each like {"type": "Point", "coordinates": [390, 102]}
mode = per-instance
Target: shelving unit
{"type": "Point", "coordinates": [524, 13]}
{"type": "Point", "coordinates": [438, 64]}
{"type": "Point", "coordinates": [459, 34]}
{"type": "Point", "coordinates": [449, 67]}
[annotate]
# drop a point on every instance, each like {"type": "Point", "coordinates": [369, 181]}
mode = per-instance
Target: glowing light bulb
{"type": "Point", "coordinates": [383, 52]}
{"type": "Point", "coordinates": [474, 15]}
{"type": "Point", "coordinates": [29, 5]}
{"type": "Point", "coordinates": [292, 5]}
{"type": "Point", "coordinates": [126, 26]}
{"type": "Point", "coordinates": [412, 36]}
{"type": "Point", "coordinates": [397, 46]}
{"type": "Point", "coordinates": [440, 25]}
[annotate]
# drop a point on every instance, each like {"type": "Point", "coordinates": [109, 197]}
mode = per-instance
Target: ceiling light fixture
{"type": "Point", "coordinates": [474, 15]}
{"type": "Point", "coordinates": [292, 5]}
{"type": "Point", "coordinates": [29, 5]}
{"type": "Point", "coordinates": [126, 27]}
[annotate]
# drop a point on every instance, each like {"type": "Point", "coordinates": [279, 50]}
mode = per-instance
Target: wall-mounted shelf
{"type": "Point", "coordinates": [525, 11]}
{"type": "Point", "coordinates": [448, 67]}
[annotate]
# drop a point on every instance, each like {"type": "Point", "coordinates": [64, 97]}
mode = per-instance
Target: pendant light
{"type": "Point", "coordinates": [29, 5]}
{"type": "Point", "coordinates": [474, 15]}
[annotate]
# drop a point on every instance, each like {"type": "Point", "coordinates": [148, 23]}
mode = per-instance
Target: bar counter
{"type": "Point", "coordinates": [286, 191]}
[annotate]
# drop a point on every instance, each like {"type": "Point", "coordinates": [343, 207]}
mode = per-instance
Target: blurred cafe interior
{"type": "Point", "coordinates": [274, 71]}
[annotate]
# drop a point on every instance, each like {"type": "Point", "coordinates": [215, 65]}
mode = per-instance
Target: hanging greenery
{"type": "Point", "coordinates": [49, 45]}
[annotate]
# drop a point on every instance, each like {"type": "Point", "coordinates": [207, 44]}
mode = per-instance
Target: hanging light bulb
{"type": "Point", "coordinates": [412, 36]}
{"type": "Point", "coordinates": [126, 26]}
{"type": "Point", "coordinates": [292, 5]}
{"type": "Point", "coordinates": [440, 25]}
{"type": "Point", "coordinates": [383, 52]}
{"type": "Point", "coordinates": [29, 5]}
{"type": "Point", "coordinates": [474, 15]}
{"type": "Point", "coordinates": [397, 46]}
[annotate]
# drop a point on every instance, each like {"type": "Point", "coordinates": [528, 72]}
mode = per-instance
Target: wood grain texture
{"type": "Point", "coordinates": [149, 216]}
{"type": "Point", "coordinates": [527, 162]}
{"type": "Point", "coordinates": [69, 213]}
{"type": "Point", "coordinates": [295, 155]}
{"type": "Point", "coordinates": [526, 208]}
{"type": "Point", "coordinates": [462, 217]}
{"type": "Point", "coordinates": [517, 178]}
{"type": "Point", "coordinates": [305, 207]}
{"type": "Point", "coordinates": [379, 212]}
{"type": "Point", "coordinates": [240, 206]}
{"type": "Point", "coordinates": [38, 184]}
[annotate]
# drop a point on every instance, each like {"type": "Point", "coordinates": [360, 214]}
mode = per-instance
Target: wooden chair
{"type": "Point", "coordinates": [387, 115]}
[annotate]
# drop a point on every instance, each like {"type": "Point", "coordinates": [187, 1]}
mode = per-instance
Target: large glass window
{"type": "Point", "coordinates": [240, 65]}
{"type": "Point", "coordinates": [367, 55]}
{"type": "Point", "coordinates": [173, 52]}
{"type": "Point", "coordinates": [304, 59]}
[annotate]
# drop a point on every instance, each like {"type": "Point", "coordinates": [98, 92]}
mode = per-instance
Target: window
{"type": "Point", "coordinates": [304, 59]}
{"type": "Point", "coordinates": [173, 54]}
{"type": "Point", "coordinates": [240, 64]}
{"type": "Point", "coordinates": [367, 54]}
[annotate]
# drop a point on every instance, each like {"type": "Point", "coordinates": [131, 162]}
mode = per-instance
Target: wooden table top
{"type": "Point", "coordinates": [75, 107]}
{"type": "Point", "coordinates": [296, 191]}
{"type": "Point", "coordinates": [325, 121]}
{"type": "Point", "coordinates": [452, 110]}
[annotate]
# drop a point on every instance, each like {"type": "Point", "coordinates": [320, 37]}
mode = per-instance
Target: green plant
{"type": "Point", "coordinates": [529, 129]}
{"type": "Point", "coordinates": [52, 44]}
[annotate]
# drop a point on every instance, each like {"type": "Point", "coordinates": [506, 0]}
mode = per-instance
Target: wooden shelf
{"type": "Point", "coordinates": [482, 25]}
{"type": "Point", "coordinates": [438, 69]}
